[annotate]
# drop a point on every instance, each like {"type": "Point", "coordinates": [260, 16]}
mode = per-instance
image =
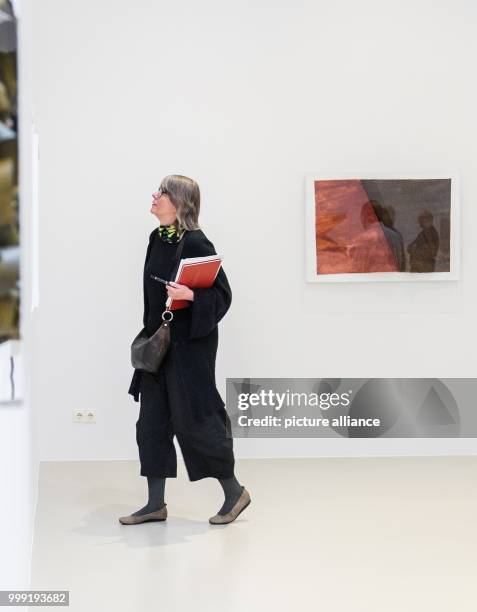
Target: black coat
{"type": "Point", "coordinates": [194, 331]}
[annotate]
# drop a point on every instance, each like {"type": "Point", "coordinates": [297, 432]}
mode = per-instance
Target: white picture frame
{"type": "Point", "coordinates": [311, 275]}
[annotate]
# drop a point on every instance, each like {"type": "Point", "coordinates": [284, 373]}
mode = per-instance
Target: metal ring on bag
{"type": "Point", "coordinates": [167, 312]}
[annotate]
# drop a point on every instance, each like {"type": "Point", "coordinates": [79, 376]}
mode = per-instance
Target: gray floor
{"type": "Point", "coordinates": [340, 535]}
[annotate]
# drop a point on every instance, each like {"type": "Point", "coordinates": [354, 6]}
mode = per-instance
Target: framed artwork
{"type": "Point", "coordinates": [375, 227]}
{"type": "Point", "coordinates": [11, 367]}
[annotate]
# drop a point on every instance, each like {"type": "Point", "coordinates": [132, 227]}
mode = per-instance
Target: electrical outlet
{"type": "Point", "coordinates": [90, 416]}
{"type": "Point", "coordinates": [78, 416]}
{"type": "Point", "coordinates": [84, 416]}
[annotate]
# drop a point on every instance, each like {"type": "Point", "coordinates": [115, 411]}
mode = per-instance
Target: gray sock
{"type": "Point", "coordinates": [232, 491]}
{"type": "Point", "coordinates": [155, 502]}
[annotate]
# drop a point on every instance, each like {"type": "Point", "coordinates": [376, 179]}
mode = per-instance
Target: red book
{"type": "Point", "coordinates": [195, 272]}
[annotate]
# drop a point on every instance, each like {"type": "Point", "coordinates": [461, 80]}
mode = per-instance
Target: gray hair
{"type": "Point", "coordinates": [184, 194]}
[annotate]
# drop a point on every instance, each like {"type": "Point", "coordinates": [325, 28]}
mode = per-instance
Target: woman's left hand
{"type": "Point", "coordinates": [179, 292]}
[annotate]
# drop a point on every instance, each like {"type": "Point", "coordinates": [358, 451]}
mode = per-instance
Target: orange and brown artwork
{"type": "Point", "coordinates": [386, 225]}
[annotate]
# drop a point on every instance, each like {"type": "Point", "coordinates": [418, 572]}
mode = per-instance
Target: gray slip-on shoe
{"type": "Point", "coordinates": [158, 515]}
{"type": "Point", "coordinates": [222, 519]}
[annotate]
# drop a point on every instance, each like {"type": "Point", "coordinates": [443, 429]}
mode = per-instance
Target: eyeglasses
{"type": "Point", "coordinates": [162, 191]}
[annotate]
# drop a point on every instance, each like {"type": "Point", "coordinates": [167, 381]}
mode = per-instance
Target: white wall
{"type": "Point", "coordinates": [245, 97]}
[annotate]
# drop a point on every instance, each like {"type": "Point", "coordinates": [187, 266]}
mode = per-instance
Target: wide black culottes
{"type": "Point", "coordinates": [196, 415]}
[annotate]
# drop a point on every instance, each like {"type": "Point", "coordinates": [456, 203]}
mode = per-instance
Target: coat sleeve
{"type": "Point", "coordinates": [209, 304]}
{"type": "Point", "coordinates": [146, 305]}
{"type": "Point", "coordinates": [135, 385]}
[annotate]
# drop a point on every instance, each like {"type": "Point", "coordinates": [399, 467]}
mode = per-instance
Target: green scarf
{"type": "Point", "coordinates": [169, 233]}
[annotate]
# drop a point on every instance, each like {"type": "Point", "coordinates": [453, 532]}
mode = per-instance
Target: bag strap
{"type": "Point", "coordinates": [174, 268]}
{"type": "Point", "coordinates": [177, 257]}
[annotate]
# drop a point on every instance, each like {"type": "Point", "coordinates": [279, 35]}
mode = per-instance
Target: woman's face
{"type": "Point", "coordinates": [163, 208]}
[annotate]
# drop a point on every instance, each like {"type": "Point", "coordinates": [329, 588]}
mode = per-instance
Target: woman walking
{"type": "Point", "coordinates": [182, 399]}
